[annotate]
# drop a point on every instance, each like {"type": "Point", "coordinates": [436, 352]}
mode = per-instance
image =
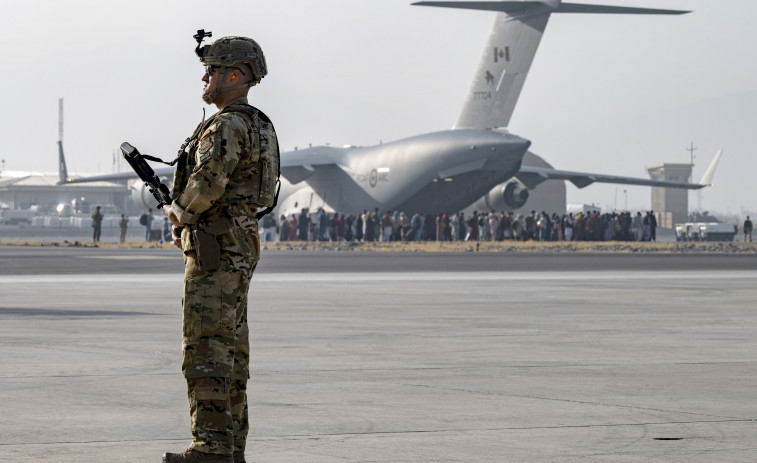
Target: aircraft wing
{"type": "Point", "coordinates": [164, 172]}
{"type": "Point", "coordinates": [532, 176]}
{"type": "Point", "coordinates": [298, 165]}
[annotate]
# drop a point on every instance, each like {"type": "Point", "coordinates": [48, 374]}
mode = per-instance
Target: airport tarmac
{"type": "Point", "coordinates": [366, 357]}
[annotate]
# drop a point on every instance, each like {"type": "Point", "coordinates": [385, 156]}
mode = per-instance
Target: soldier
{"type": "Point", "coordinates": [148, 225]}
{"type": "Point", "coordinates": [123, 223]}
{"type": "Point", "coordinates": [97, 223]}
{"type": "Point", "coordinates": [747, 229]}
{"type": "Point", "coordinates": [229, 173]}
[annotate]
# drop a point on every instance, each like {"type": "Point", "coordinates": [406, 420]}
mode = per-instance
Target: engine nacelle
{"type": "Point", "coordinates": [515, 194]}
{"type": "Point", "coordinates": [507, 196]}
{"type": "Point", "coordinates": [142, 197]}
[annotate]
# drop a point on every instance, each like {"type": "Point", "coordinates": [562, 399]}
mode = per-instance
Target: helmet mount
{"type": "Point", "coordinates": [200, 36]}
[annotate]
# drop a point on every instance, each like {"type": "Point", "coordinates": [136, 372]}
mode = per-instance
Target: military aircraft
{"type": "Point", "coordinates": [477, 161]}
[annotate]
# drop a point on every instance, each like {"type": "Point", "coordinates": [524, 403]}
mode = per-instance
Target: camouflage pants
{"type": "Point", "coordinates": [217, 352]}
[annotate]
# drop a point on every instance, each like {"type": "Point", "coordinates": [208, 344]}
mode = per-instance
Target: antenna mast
{"type": "Point", "coordinates": [60, 120]}
{"type": "Point", "coordinates": [691, 150]}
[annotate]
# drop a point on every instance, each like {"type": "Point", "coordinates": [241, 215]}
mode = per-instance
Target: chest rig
{"type": "Point", "coordinates": [258, 184]}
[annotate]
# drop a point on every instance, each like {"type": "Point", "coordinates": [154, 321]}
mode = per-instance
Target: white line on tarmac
{"type": "Point", "coordinates": [368, 277]}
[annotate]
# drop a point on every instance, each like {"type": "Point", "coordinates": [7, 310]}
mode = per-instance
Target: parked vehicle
{"type": "Point", "coordinates": [699, 231]}
{"type": "Point", "coordinates": [16, 216]}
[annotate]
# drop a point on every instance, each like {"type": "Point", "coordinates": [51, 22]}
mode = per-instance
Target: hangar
{"type": "Point", "coordinates": [22, 190]}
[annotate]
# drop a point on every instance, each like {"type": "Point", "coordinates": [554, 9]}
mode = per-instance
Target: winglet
{"type": "Point", "coordinates": [707, 177]}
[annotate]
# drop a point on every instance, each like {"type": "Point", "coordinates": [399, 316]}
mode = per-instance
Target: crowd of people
{"type": "Point", "coordinates": [399, 226]}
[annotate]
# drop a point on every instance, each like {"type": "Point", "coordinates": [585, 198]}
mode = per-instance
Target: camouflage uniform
{"type": "Point", "coordinates": [222, 193]}
{"type": "Point", "coordinates": [97, 223]}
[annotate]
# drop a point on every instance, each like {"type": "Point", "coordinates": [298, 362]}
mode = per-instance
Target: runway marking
{"type": "Point", "coordinates": [134, 257]}
{"type": "Point", "coordinates": [399, 277]}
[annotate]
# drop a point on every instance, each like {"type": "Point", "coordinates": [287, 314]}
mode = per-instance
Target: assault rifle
{"type": "Point", "coordinates": [137, 162]}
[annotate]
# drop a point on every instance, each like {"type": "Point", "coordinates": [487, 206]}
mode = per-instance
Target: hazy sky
{"type": "Point", "coordinates": [606, 94]}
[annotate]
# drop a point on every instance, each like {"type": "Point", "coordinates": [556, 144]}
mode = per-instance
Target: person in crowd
{"type": "Point", "coordinates": [404, 227]}
{"type": "Point", "coordinates": [483, 225]}
{"type": "Point", "coordinates": [462, 227]}
{"type": "Point", "coordinates": [339, 226]}
{"type": "Point", "coordinates": [518, 226]}
{"type": "Point", "coordinates": [293, 228]}
{"type": "Point", "coordinates": [360, 226]}
{"type": "Point", "coordinates": [637, 226]}
{"type": "Point", "coordinates": [415, 227]}
{"type": "Point", "coordinates": [446, 228]}
{"type": "Point", "coordinates": [396, 226]}
{"type": "Point", "coordinates": [269, 227]}
{"type": "Point", "coordinates": [653, 226]}
{"type": "Point", "coordinates": [386, 226]}
{"type": "Point", "coordinates": [567, 224]}
{"type": "Point", "coordinates": [493, 227]}
{"type": "Point", "coordinates": [646, 233]}
{"type": "Point", "coordinates": [348, 224]}
{"type": "Point", "coordinates": [472, 227]}
{"type": "Point", "coordinates": [284, 228]}
{"type": "Point", "coordinates": [321, 223]}
{"type": "Point", "coordinates": [530, 229]}
{"type": "Point", "coordinates": [303, 222]}
{"type": "Point", "coordinates": [365, 218]}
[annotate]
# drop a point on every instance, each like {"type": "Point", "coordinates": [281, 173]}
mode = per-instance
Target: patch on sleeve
{"type": "Point", "coordinates": [205, 144]}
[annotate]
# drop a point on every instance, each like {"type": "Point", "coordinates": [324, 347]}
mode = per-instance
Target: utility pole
{"type": "Point", "coordinates": [691, 150]}
{"type": "Point", "coordinates": [60, 120]}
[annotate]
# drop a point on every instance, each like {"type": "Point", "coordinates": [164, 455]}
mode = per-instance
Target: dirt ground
{"type": "Point", "coordinates": [485, 246]}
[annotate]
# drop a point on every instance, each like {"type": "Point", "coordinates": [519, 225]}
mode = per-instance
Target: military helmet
{"type": "Point", "coordinates": [234, 51]}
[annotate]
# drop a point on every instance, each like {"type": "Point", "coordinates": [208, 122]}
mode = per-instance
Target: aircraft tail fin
{"type": "Point", "coordinates": [710, 172]}
{"type": "Point", "coordinates": [62, 171]}
{"type": "Point", "coordinates": [510, 51]}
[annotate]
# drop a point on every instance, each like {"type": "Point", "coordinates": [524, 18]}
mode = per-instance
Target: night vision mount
{"type": "Point", "coordinates": [200, 36]}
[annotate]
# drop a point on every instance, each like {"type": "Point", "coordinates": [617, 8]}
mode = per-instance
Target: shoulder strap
{"type": "Point", "coordinates": [251, 110]}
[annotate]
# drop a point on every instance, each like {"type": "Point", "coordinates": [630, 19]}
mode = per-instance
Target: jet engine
{"type": "Point", "coordinates": [514, 194]}
{"type": "Point", "coordinates": [142, 197]}
{"type": "Point", "coordinates": [508, 196]}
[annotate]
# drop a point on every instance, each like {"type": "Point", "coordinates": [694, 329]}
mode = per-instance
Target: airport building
{"type": "Point", "coordinates": [671, 205]}
{"type": "Point", "coordinates": [22, 190]}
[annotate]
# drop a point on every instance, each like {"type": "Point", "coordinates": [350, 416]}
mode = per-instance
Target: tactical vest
{"type": "Point", "coordinates": [254, 184]}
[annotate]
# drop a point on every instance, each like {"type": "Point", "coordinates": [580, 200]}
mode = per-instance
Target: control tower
{"type": "Point", "coordinates": [671, 205]}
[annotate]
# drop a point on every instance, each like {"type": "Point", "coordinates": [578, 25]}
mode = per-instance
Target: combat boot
{"type": "Point", "coordinates": [195, 456]}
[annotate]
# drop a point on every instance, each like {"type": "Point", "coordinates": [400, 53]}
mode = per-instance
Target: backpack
{"type": "Point", "coordinates": [143, 219]}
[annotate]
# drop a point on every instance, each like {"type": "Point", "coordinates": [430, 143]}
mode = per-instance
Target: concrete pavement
{"type": "Point", "coordinates": [423, 366]}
